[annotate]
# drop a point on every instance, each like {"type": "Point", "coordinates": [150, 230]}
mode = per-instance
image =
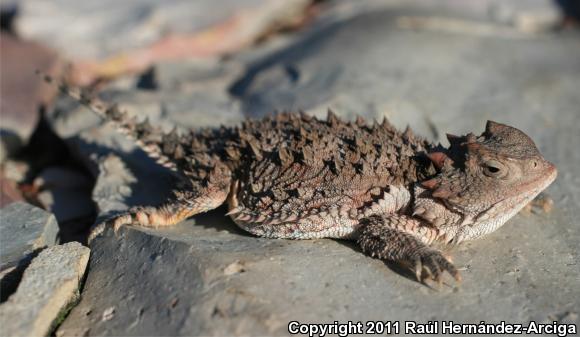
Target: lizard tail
{"type": "Point", "coordinates": [147, 137]}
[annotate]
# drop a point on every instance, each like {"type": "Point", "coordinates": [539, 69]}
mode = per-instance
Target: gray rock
{"type": "Point", "coordinates": [499, 11]}
{"type": "Point", "coordinates": [25, 229]}
{"type": "Point", "coordinates": [193, 107]}
{"type": "Point", "coordinates": [208, 75]}
{"type": "Point", "coordinates": [435, 78]}
{"type": "Point", "coordinates": [48, 286]}
{"type": "Point", "coordinates": [211, 279]}
{"type": "Point", "coordinates": [109, 27]}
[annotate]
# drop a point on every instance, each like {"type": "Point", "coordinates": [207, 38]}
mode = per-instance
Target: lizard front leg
{"type": "Point", "coordinates": [405, 240]}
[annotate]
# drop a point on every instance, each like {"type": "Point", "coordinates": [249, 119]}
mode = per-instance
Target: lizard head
{"type": "Point", "coordinates": [483, 181]}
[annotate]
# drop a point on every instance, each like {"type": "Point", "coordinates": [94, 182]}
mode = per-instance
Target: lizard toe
{"type": "Point", "coordinates": [115, 222]}
{"type": "Point", "coordinates": [435, 265]}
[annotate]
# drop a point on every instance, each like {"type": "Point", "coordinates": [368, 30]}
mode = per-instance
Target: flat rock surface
{"type": "Point", "coordinates": [206, 277]}
{"type": "Point", "coordinates": [48, 285]}
{"type": "Point", "coordinates": [210, 279]}
{"type": "Point", "coordinates": [25, 228]}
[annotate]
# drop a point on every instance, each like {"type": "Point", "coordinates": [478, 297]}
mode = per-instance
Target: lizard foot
{"type": "Point", "coordinates": [430, 264]}
{"type": "Point", "coordinates": [127, 218]}
{"type": "Point", "coordinates": [140, 216]}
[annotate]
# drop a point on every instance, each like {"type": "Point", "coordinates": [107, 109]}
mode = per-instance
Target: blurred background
{"type": "Point", "coordinates": [235, 58]}
{"type": "Point", "coordinates": [437, 65]}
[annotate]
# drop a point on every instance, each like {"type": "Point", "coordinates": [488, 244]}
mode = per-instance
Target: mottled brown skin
{"type": "Point", "coordinates": [296, 177]}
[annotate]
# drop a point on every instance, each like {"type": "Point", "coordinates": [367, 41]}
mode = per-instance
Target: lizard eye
{"type": "Point", "coordinates": [493, 169]}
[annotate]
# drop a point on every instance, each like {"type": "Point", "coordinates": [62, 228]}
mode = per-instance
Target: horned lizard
{"type": "Point", "coordinates": [293, 176]}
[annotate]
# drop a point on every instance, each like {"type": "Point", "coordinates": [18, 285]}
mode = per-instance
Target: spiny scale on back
{"type": "Point", "coordinates": [284, 138]}
{"type": "Point", "coordinates": [294, 176]}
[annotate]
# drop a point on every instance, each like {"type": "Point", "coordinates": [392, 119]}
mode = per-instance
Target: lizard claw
{"type": "Point", "coordinates": [117, 222]}
{"type": "Point", "coordinates": [151, 217]}
{"type": "Point", "coordinates": [418, 269]}
{"type": "Point", "coordinates": [96, 231]}
{"type": "Point", "coordinates": [433, 265]}
{"type": "Point", "coordinates": [419, 211]}
{"type": "Point", "coordinates": [430, 215]}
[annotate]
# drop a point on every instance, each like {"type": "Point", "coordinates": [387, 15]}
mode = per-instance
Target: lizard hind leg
{"type": "Point", "coordinates": [184, 205]}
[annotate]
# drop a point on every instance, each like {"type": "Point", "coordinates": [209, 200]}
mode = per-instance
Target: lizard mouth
{"type": "Point", "coordinates": [537, 185]}
{"type": "Point", "coordinates": [530, 188]}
